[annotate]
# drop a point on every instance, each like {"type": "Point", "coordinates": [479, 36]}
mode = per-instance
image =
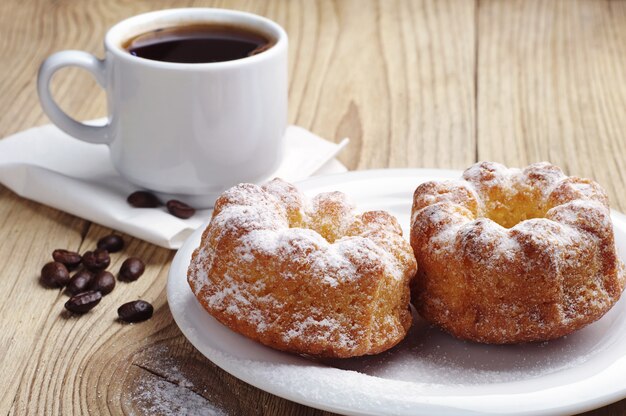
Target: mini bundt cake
{"type": "Point", "coordinates": [306, 277]}
{"type": "Point", "coordinates": [509, 255]}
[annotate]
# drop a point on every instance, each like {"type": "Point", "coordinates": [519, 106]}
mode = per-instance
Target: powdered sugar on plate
{"type": "Point", "coordinates": [160, 397]}
{"type": "Point", "coordinates": [164, 389]}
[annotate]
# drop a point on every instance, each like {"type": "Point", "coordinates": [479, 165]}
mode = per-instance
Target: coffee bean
{"type": "Point", "coordinates": [96, 260]}
{"type": "Point", "coordinates": [143, 199]}
{"type": "Point", "coordinates": [179, 209]}
{"type": "Point", "coordinates": [131, 269]}
{"type": "Point", "coordinates": [111, 243]}
{"type": "Point", "coordinates": [55, 274]}
{"type": "Point", "coordinates": [83, 302]}
{"type": "Point", "coordinates": [70, 259]}
{"type": "Point", "coordinates": [80, 282]}
{"type": "Point", "coordinates": [135, 311]}
{"type": "Point", "coordinates": [104, 282]}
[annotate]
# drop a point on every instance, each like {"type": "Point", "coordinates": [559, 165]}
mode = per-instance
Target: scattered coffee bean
{"type": "Point", "coordinates": [55, 274]}
{"type": "Point", "coordinates": [131, 269]}
{"type": "Point", "coordinates": [70, 259]}
{"type": "Point", "coordinates": [135, 311]}
{"type": "Point", "coordinates": [104, 282]}
{"type": "Point", "coordinates": [111, 243]}
{"type": "Point", "coordinates": [96, 260]}
{"type": "Point", "coordinates": [143, 199]}
{"type": "Point", "coordinates": [179, 209]}
{"type": "Point", "coordinates": [83, 302]}
{"type": "Point", "coordinates": [80, 282]}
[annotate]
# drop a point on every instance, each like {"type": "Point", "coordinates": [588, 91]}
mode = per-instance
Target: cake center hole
{"type": "Point", "coordinates": [510, 210]}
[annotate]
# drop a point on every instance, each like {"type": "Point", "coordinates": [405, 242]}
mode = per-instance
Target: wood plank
{"type": "Point", "coordinates": [395, 77]}
{"type": "Point", "coordinates": [29, 232]}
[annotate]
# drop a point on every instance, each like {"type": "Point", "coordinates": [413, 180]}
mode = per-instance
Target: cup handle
{"type": "Point", "coordinates": [91, 134]}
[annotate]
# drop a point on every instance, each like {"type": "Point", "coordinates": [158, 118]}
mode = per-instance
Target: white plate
{"type": "Point", "coordinates": [430, 372]}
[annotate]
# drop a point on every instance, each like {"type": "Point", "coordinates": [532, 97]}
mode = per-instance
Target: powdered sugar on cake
{"type": "Point", "coordinates": [508, 180]}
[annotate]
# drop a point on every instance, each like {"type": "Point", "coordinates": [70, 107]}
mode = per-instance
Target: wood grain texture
{"type": "Point", "coordinates": [412, 83]}
{"type": "Point", "coordinates": [417, 60]}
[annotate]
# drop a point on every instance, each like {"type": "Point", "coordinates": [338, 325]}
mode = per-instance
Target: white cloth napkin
{"type": "Point", "coordinates": [48, 166]}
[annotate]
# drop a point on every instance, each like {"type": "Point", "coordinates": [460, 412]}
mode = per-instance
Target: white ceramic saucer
{"type": "Point", "coordinates": [430, 372]}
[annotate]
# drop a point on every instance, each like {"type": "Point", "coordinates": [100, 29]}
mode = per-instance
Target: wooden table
{"type": "Point", "coordinates": [412, 83]}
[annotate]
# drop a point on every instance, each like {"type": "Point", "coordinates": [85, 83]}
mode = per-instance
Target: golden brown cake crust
{"type": "Point", "coordinates": [310, 277]}
{"type": "Point", "coordinates": [510, 255]}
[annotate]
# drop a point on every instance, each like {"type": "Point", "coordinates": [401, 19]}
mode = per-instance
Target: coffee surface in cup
{"type": "Point", "coordinates": [200, 43]}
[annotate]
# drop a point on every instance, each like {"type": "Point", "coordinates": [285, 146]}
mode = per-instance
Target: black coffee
{"type": "Point", "coordinates": [197, 44]}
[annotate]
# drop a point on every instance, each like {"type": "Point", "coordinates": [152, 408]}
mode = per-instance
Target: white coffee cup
{"type": "Point", "coordinates": [184, 131]}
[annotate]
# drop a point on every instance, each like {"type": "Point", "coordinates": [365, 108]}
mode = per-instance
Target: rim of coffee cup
{"type": "Point", "coordinates": [146, 22]}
